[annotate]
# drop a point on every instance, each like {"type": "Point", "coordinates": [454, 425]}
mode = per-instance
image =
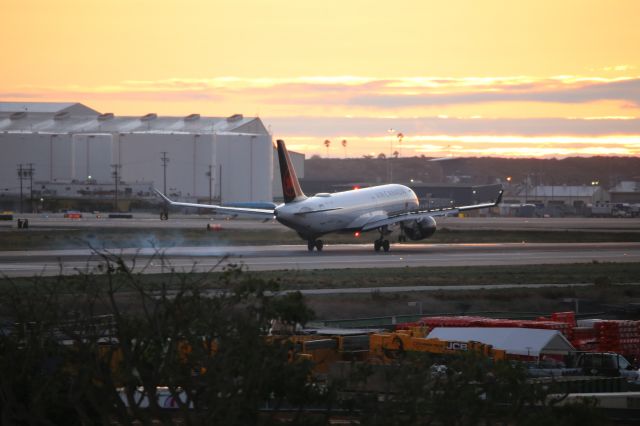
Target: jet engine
{"type": "Point", "coordinates": [419, 229]}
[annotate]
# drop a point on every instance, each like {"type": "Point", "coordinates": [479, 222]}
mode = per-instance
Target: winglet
{"type": "Point", "coordinates": [291, 189]}
{"type": "Point", "coordinates": [499, 199]}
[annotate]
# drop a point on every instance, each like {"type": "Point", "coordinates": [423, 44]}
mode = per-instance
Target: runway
{"type": "Point", "coordinates": [194, 221]}
{"type": "Point", "coordinates": [296, 257]}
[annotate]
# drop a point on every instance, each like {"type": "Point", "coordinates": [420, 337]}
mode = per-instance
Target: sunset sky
{"type": "Point", "coordinates": [462, 78]}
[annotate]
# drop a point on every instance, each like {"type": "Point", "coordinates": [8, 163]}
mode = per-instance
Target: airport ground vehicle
{"type": "Point", "coordinates": [608, 364]}
{"type": "Point", "coordinates": [387, 346]}
{"type": "Point", "coordinates": [603, 364]}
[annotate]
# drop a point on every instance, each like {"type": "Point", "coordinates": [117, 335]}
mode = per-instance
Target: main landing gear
{"type": "Point", "coordinates": [381, 243]}
{"type": "Point", "coordinates": [317, 244]}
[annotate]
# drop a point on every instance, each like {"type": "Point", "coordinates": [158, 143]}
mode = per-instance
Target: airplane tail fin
{"type": "Point", "coordinates": [290, 186]}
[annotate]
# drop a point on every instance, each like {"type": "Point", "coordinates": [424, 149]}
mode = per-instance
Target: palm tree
{"type": "Point", "coordinates": [327, 143]}
{"type": "Point", "coordinates": [400, 136]}
{"type": "Point", "coordinates": [344, 145]}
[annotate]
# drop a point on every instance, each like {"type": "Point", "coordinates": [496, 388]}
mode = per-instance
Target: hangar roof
{"type": "Point", "coordinates": [520, 341]}
{"type": "Point", "coordinates": [49, 107]}
{"type": "Point", "coordinates": [54, 117]}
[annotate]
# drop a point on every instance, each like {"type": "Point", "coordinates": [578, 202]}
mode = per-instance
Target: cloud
{"type": "Point", "coordinates": [307, 110]}
{"type": "Point", "coordinates": [378, 93]}
{"type": "Point", "coordinates": [20, 95]}
{"type": "Point", "coordinates": [370, 126]}
{"type": "Point", "coordinates": [624, 90]}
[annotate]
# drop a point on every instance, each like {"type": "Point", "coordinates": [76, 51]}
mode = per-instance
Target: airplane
{"type": "Point", "coordinates": [378, 208]}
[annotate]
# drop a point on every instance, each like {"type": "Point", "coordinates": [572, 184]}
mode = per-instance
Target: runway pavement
{"type": "Point", "coordinates": [296, 257]}
{"type": "Point", "coordinates": [193, 221]}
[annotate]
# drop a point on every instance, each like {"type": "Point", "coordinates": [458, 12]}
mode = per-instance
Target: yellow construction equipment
{"type": "Point", "coordinates": [388, 346]}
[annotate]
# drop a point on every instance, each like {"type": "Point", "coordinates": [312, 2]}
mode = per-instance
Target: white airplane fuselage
{"type": "Point", "coordinates": [345, 211]}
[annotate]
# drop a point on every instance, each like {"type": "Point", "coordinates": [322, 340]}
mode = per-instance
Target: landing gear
{"type": "Point", "coordinates": [381, 244]}
{"type": "Point", "coordinates": [164, 215]}
{"type": "Point", "coordinates": [317, 244]}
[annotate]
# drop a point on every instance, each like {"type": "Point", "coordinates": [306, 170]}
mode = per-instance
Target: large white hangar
{"type": "Point", "coordinates": [226, 159]}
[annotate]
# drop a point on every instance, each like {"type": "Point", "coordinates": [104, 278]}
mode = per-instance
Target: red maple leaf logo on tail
{"type": "Point", "coordinates": [288, 185]}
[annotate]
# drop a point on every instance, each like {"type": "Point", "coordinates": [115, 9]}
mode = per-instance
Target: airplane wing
{"type": "Point", "coordinates": [418, 214]}
{"type": "Point", "coordinates": [257, 213]}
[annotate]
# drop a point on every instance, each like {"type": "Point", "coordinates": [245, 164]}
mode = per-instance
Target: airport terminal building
{"type": "Point", "coordinates": [69, 145]}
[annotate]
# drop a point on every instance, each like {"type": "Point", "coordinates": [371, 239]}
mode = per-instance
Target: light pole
{"type": "Point", "coordinates": [165, 161]}
{"type": "Point", "coordinates": [389, 169]}
{"type": "Point", "coordinates": [391, 131]}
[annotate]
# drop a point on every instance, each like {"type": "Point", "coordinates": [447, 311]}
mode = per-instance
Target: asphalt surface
{"type": "Point", "coordinates": [296, 257]}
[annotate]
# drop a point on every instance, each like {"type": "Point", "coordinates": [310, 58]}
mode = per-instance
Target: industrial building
{"type": "Point", "coordinates": [625, 192]}
{"type": "Point", "coordinates": [196, 158]}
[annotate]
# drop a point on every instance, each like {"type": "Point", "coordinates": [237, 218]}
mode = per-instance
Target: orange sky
{"type": "Point", "coordinates": [521, 78]}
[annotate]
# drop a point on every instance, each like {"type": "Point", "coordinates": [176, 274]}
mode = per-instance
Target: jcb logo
{"type": "Point", "coordinates": [456, 346]}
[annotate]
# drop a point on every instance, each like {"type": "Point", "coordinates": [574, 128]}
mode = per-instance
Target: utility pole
{"type": "Point", "coordinates": [29, 172]}
{"type": "Point", "coordinates": [389, 165]}
{"type": "Point", "coordinates": [21, 177]}
{"type": "Point", "coordinates": [116, 178]}
{"type": "Point", "coordinates": [165, 161]}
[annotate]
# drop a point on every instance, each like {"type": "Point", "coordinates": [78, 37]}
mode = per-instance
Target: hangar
{"type": "Point", "coordinates": [226, 159]}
